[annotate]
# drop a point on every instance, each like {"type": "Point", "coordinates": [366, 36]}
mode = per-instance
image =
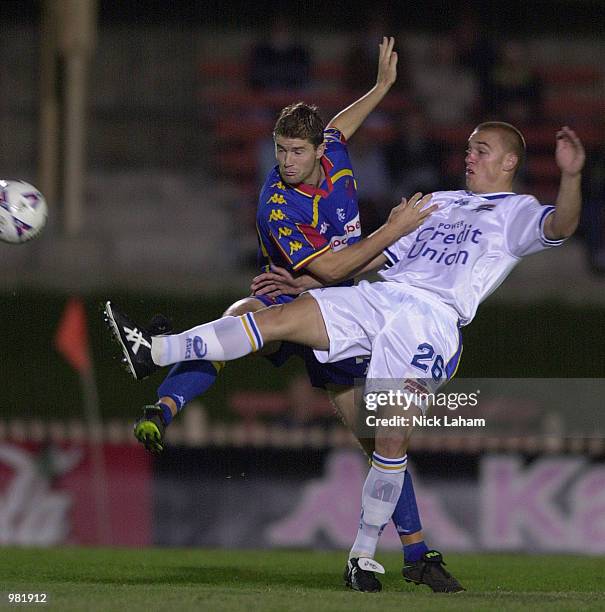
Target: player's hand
{"type": "Point", "coordinates": [387, 63]}
{"type": "Point", "coordinates": [410, 214]}
{"type": "Point", "coordinates": [278, 282]}
{"type": "Point", "coordinates": [569, 152]}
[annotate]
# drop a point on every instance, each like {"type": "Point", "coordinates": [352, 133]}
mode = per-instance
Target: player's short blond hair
{"type": "Point", "coordinates": [300, 120]}
{"type": "Point", "coordinates": [511, 137]}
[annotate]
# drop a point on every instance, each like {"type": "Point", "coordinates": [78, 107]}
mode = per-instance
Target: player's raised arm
{"type": "Point", "coordinates": [570, 158]}
{"type": "Point", "coordinates": [350, 118]}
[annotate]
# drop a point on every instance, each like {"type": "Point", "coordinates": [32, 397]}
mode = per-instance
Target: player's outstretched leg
{"type": "Point", "coordinates": [144, 352]}
{"type": "Point", "coordinates": [224, 339]}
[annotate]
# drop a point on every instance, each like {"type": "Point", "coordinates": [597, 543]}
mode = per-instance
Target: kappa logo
{"type": "Point", "coordinates": [277, 198]}
{"type": "Point", "coordinates": [279, 185]}
{"type": "Point", "coordinates": [323, 228]}
{"type": "Point", "coordinates": [295, 246]}
{"type": "Point", "coordinates": [284, 231]}
{"type": "Point", "coordinates": [340, 213]}
{"type": "Point", "coordinates": [277, 215]}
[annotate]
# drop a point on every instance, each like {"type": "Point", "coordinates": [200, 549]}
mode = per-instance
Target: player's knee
{"type": "Point", "coordinates": [243, 306]}
{"type": "Point", "coordinates": [274, 321]}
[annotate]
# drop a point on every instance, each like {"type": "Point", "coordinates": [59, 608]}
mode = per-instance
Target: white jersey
{"type": "Point", "coordinates": [468, 247]}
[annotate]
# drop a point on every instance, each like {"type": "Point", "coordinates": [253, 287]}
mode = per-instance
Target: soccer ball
{"type": "Point", "coordinates": [23, 211]}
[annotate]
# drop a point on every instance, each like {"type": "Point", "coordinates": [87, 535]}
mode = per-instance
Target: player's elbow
{"type": "Point", "coordinates": [561, 231]}
{"type": "Point", "coordinates": [328, 277]}
{"type": "Point", "coordinates": [328, 273]}
{"type": "Point", "coordinates": [559, 227]}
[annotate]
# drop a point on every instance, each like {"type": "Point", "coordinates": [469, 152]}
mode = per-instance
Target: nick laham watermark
{"type": "Point", "coordinates": [424, 421]}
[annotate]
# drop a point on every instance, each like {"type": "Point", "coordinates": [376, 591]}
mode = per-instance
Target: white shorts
{"type": "Point", "coordinates": [407, 333]}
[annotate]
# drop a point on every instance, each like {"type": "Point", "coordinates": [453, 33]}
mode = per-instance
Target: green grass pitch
{"type": "Point", "coordinates": [233, 581]}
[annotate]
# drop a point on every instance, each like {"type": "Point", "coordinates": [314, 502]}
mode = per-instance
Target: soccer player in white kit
{"type": "Point", "coordinates": [434, 278]}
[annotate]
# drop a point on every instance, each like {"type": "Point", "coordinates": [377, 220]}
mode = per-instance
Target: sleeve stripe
{"type": "Point", "coordinates": [263, 248]}
{"type": "Point", "coordinates": [279, 246]}
{"type": "Point", "coordinates": [315, 210]}
{"type": "Point", "coordinates": [392, 258]}
{"type": "Point", "coordinates": [341, 173]}
{"type": "Point", "coordinates": [306, 260]}
{"type": "Point", "coordinates": [452, 365]}
{"type": "Point", "coordinates": [547, 241]}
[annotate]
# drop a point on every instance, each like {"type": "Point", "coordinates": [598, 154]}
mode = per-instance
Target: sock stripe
{"type": "Point", "coordinates": [389, 461]}
{"type": "Point", "coordinates": [392, 466]}
{"type": "Point", "coordinates": [218, 365]}
{"type": "Point", "coordinates": [249, 333]}
{"type": "Point", "coordinates": [257, 335]}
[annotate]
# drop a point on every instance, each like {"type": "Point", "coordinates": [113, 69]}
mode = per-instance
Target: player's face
{"type": "Point", "coordinates": [489, 165]}
{"type": "Point", "coordinates": [298, 160]}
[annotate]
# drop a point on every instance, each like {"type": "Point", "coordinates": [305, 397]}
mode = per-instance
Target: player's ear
{"type": "Point", "coordinates": [510, 162]}
{"type": "Point", "coordinates": [321, 149]}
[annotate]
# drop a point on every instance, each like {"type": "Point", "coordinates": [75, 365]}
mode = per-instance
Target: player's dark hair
{"type": "Point", "coordinates": [300, 120]}
{"type": "Point", "coordinates": [511, 136]}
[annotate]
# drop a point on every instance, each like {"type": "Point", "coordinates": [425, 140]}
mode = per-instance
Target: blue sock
{"type": "Point", "coordinates": [186, 381]}
{"type": "Point", "coordinates": [407, 519]}
{"type": "Point", "coordinates": [414, 552]}
{"type": "Point", "coordinates": [166, 413]}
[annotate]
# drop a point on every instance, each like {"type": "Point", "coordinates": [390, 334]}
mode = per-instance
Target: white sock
{"type": "Point", "coordinates": [221, 340]}
{"type": "Point", "coordinates": [381, 491]}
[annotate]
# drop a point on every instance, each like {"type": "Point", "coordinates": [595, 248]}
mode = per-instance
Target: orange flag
{"type": "Point", "coordinates": [71, 339]}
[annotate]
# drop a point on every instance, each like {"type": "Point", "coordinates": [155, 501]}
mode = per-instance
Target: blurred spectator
{"type": "Point", "coordinates": [447, 90]}
{"type": "Point", "coordinates": [280, 62]}
{"type": "Point", "coordinates": [516, 90]}
{"type": "Point", "coordinates": [372, 175]}
{"type": "Point", "coordinates": [307, 406]}
{"type": "Point", "coordinates": [414, 158]}
{"type": "Point", "coordinates": [362, 55]}
{"type": "Point", "coordinates": [592, 223]}
{"type": "Point", "coordinates": [476, 53]}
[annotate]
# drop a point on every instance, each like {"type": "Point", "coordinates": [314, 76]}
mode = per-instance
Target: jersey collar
{"type": "Point", "coordinates": [491, 196]}
{"type": "Point", "coordinates": [310, 190]}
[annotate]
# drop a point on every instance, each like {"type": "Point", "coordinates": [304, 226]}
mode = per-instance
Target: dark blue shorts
{"type": "Point", "coordinates": [320, 374]}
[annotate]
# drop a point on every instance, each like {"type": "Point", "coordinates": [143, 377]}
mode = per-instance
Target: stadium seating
{"type": "Point", "coordinates": [238, 117]}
